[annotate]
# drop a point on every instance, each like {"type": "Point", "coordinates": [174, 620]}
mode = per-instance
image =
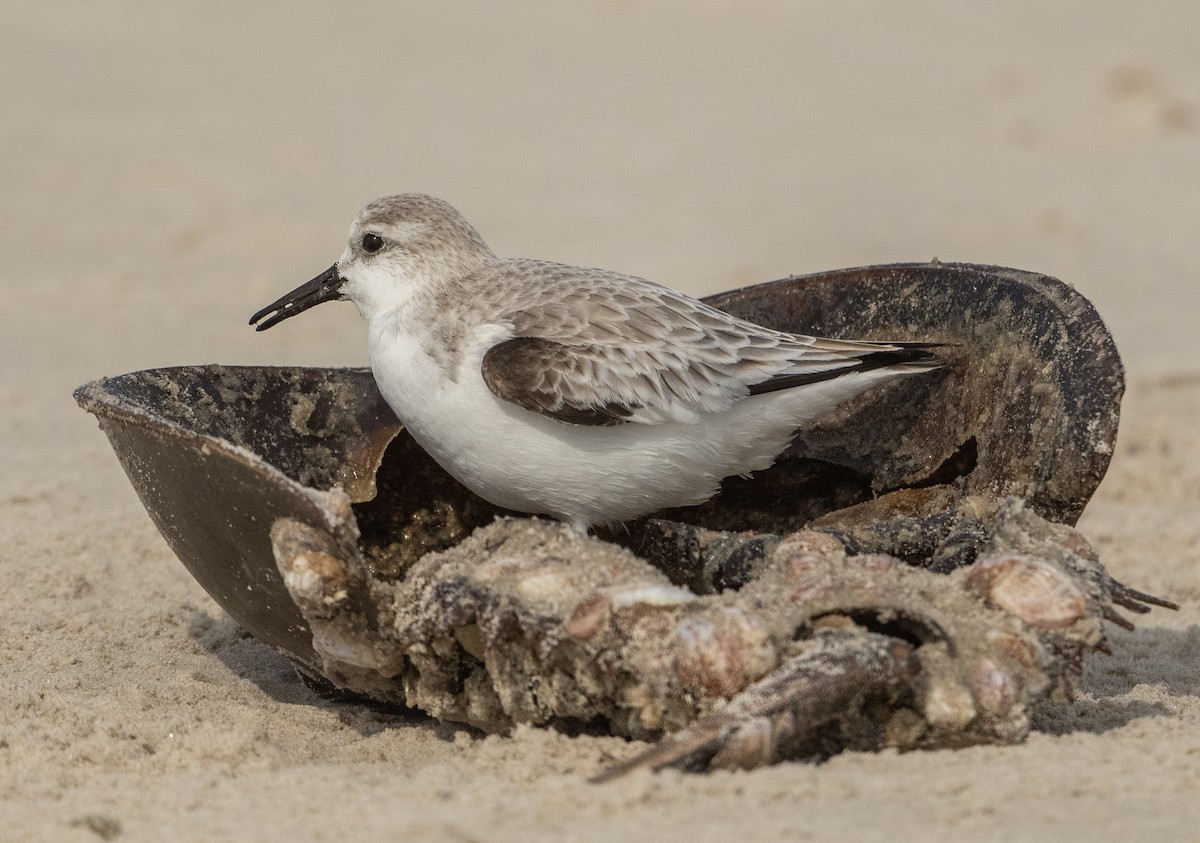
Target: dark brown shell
{"type": "Point", "coordinates": [1027, 407]}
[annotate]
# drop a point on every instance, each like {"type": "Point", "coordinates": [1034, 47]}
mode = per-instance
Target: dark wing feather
{"type": "Point", "coordinates": [530, 372]}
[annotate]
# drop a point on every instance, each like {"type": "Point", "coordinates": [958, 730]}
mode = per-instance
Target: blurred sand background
{"type": "Point", "coordinates": [166, 169]}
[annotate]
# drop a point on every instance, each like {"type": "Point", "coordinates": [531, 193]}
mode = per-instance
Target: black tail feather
{"type": "Point", "coordinates": [898, 354]}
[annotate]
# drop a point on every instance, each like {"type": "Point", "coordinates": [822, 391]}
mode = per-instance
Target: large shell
{"type": "Point", "coordinates": [1026, 409]}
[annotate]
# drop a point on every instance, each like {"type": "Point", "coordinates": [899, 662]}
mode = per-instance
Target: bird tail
{"type": "Point", "coordinates": [898, 357]}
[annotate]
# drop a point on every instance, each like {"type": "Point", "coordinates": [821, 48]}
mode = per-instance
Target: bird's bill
{"type": "Point", "coordinates": [325, 287]}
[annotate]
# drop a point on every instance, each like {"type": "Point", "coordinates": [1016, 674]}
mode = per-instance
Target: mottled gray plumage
{"type": "Point", "coordinates": [593, 341]}
{"type": "Point", "coordinates": [610, 348]}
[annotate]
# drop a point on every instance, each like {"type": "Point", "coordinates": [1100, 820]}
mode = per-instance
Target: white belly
{"type": "Point", "coordinates": [581, 474]}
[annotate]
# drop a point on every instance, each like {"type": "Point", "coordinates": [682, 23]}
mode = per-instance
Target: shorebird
{"type": "Point", "coordinates": [583, 394]}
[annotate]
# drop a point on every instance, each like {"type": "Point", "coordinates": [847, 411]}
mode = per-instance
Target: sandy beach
{"type": "Point", "coordinates": [168, 170]}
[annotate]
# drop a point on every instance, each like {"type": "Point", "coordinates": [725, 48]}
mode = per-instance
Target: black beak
{"type": "Point", "coordinates": [323, 288]}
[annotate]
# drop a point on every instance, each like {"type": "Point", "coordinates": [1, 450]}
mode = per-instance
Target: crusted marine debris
{"type": "Point", "coordinates": [819, 650]}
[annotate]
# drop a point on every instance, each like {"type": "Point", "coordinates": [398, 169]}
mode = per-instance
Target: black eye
{"type": "Point", "coordinates": [372, 243]}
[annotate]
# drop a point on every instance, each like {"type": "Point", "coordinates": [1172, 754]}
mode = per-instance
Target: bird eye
{"type": "Point", "coordinates": [372, 243]}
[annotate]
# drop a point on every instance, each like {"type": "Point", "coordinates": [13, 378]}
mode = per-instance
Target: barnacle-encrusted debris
{"type": "Point", "coordinates": [820, 650]}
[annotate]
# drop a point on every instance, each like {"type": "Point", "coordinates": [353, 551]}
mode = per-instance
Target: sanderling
{"type": "Point", "coordinates": [583, 394]}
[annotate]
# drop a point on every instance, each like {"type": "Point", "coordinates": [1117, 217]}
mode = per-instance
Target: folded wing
{"type": "Point", "coordinates": [669, 360]}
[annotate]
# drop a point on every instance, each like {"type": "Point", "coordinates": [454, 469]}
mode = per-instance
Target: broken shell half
{"type": "Point", "coordinates": [1026, 406]}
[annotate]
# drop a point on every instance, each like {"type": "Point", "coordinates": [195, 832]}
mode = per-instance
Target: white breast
{"type": "Point", "coordinates": [521, 460]}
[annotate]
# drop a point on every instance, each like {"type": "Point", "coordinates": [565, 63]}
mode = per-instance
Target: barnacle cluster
{"type": "Point", "coordinates": [820, 649]}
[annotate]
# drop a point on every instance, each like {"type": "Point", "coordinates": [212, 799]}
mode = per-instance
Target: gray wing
{"type": "Point", "coordinates": [611, 349]}
{"type": "Point", "coordinates": [550, 378]}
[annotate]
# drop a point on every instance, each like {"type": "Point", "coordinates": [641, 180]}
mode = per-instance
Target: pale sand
{"type": "Point", "coordinates": [165, 174]}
